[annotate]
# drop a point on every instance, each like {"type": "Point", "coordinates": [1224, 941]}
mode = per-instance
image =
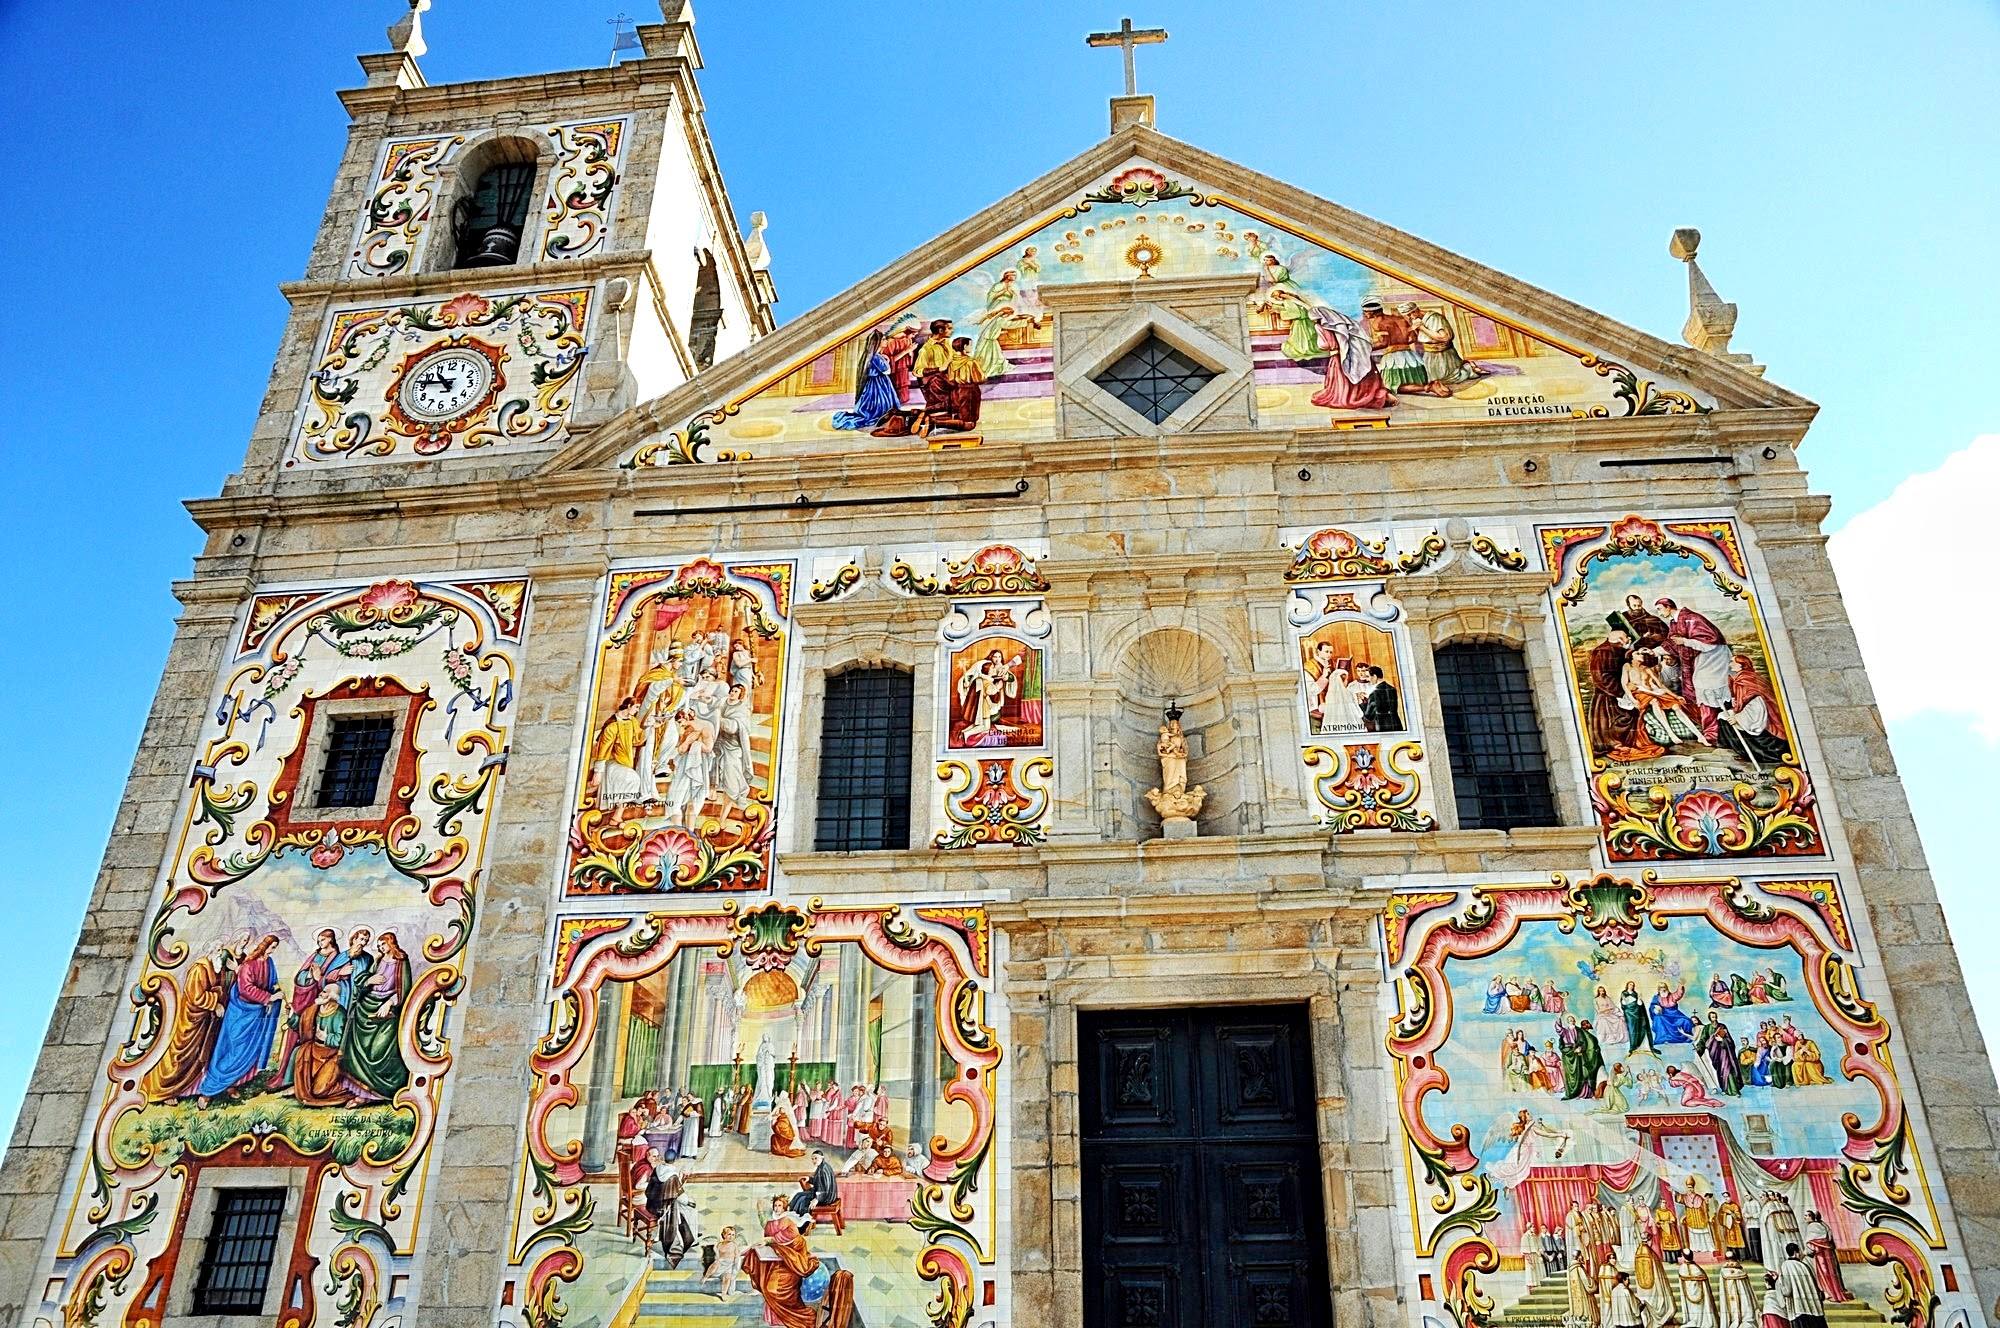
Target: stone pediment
{"type": "Point", "coordinates": [1315, 317]}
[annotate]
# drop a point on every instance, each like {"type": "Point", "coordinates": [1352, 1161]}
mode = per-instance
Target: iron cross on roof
{"type": "Point", "coordinates": [1128, 37]}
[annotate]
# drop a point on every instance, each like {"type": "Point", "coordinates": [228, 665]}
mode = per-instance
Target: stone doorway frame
{"type": "Point", "coordinates": [1278, 952]}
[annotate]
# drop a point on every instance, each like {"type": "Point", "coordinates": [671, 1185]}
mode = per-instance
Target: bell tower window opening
{"type": "Point", "coordinates": [1155, 379]}
{"type": "Point", "coordinates": [705, 320]}
{"type": "Point", "coordinates": [488, 222]}
{"type": "Point", "coordinates": [243, 1240]}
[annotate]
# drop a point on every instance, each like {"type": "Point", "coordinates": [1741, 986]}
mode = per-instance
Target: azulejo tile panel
{"type": "Point", "coordinates": [1657, 1101]}
{"type": "Point", "coordinates": [994, 730]}
{"type": "Point", "coordinates": [677, 781]}
{"type": "Point", "coordinates": [424, 378]}
{"type": "Point", "coordinates": [1364, 750]}
{"type": "Point", "coordinates": [1336, 339]}
{"type": "Point", "coordinates": [1692, 752]}
{"type": "Point", "coordinates": [763, 1113]}
{"type": "Point", "coordinates": [291, 1008]}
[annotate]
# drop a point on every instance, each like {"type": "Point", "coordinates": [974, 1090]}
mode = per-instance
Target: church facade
{"type": "Point", "coordinates": [1177, 756]}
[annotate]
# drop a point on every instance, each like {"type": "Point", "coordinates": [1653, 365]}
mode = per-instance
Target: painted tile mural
{"type": "Point", "coordinates": [292, 1008]}
{"type": "Point", "coordinates": [777, 1115]}
{"type": "Point", "coordinates": [414, 175]}
{"type": "Point", "coordinates": [1692, 751]}
{"type": "Point", "coordinates": [1657, 1102]}
{"type": "Point", "coordinates": [421, 378]}
{"type": "Point", "coordinates": [993, 727]}
{"type": "Point", "coordinates": [1334, 340]}
{"type": "Point", "coordinates": [395, 225]}
{"type": "Point", "coordinates": [677, 782]}
{"type": "Point", "coordinates": [1364, 751]}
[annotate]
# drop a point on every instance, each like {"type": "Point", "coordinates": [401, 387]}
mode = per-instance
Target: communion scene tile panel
{"type": "Point", "coordinates": [677, 782]}
{"type": "Point", "coordinates": [1333, 338]}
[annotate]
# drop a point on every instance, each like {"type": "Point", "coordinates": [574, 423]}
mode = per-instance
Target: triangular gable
{"type": "Point", "coordinates": [1473, 347]}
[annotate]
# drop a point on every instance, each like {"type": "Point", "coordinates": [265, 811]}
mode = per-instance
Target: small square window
{"type": "Point", "coordinates": [1155, 379]}
{"type": "Point", "coordinates": [356, 747]}
{"type": "Point", "coordinates": [242, 1242]}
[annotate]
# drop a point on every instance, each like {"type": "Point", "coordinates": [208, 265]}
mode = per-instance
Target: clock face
{"type": "Point", "coordinates": [445, 385]}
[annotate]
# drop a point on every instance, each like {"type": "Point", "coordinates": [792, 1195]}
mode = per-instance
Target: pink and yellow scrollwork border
{"type": "Point", "coordinates": [1450, 1197]}
{"type": "Point", "coordinates": [553, 1208]}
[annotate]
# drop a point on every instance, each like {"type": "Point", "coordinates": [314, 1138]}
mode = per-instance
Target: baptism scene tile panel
{"type": "Point", "coordinates": [1655, 1103]}
{"type": "Point", "coordinates": [778, 1116]}
{"type": "Point", "coordinates": [291, 1009]}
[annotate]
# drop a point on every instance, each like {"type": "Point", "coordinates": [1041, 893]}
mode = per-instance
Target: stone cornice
{"type": "Point", "coordinates": [569, 271]}
{"type": "Point", "coordinates": [629, 85]}
{"type": "Point", "coordinates": [1086, 295]}
{"type": "Point", "coordinates": [436, 487]}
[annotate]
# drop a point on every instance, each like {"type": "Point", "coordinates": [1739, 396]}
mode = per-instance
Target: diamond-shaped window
{"type": "Point", "coordinates": [1155, 379]}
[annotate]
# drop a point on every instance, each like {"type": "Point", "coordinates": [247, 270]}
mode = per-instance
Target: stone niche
{"type": "Point", "coordinates": [1173, 664]}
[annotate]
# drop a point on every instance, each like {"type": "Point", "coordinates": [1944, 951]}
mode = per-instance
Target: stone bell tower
{"type": "Point", "coordinates": [505, 264]}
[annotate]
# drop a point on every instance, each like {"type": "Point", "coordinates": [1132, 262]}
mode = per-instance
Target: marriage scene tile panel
{"type": "Point", "coordinates": [1656, 1103]}
{"type": "Point", "coordinates": [427, 377]}
{"type": "Point", "coordinates": [995, 733]}
{"type": "Point", "coordinates": [763, 1115]}
{"type": "Point", "coordinates": [1363, 742]}
{"type": "Point", "coordinates": [291, 1008]}
{"type": "Point", "coordinates": [1692, 752]}
{"type": "Point", "coordinates": [678, 780]}
{"type": "Point", "coordinates": [1333, 338]}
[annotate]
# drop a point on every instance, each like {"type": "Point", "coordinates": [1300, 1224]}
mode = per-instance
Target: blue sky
{"type": "Point", "coordinates": [1839, 159]}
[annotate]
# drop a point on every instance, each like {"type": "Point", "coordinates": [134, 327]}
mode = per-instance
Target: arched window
{"type": "Point", "coordinates": [1499, 770]}
{"type": "Point", "coordinates": [706, 319]}
{"type": "Point", "coordinates": [864, 762]}
{"type": "Point", "coordinates": [488, 222]}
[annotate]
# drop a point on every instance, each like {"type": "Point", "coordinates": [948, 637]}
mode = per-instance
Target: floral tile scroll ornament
{"type": "Point", "coordinates": [1005, 803]}
{"type": "Point", "coordinates": [1358, 789]}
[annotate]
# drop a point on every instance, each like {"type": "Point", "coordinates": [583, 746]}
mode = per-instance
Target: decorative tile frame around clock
{"type": "Point", "coordinates": [994, 731]}
{"type": "Point", "coordinates": [1363, 751]}
{"type": "Point", "coordinates": [514, 359]}
{"type": "Point", "coordinates": [356, 925]}
{"type": "Point", "coordinates": [1676, 693]}
{"type": "Point", "coordinates": [876, 1027]}
{"type": "Point", "coordinates": [676, 779]}
{"type": "Point", "coordinates": [1593, 1074]}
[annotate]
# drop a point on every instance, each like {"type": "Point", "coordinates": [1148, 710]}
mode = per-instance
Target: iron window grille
{"type": "Point", "coordinates": [236, 1265]}
{"type": "Point", "coordinates": [1155, 379]}
{"type": "Point", "coordinates": [357, 746]}
{"type": "Point", "coordinates": [864, 762]}
{"type": "Point", "coordinates": [1499, 769]}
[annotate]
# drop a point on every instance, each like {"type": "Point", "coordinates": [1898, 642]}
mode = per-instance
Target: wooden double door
{"type": "Point", "coordinates": [1201, 1179]}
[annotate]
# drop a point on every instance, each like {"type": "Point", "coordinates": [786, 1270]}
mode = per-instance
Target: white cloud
{"type": "Point", "coordinates": [1908, 567]}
